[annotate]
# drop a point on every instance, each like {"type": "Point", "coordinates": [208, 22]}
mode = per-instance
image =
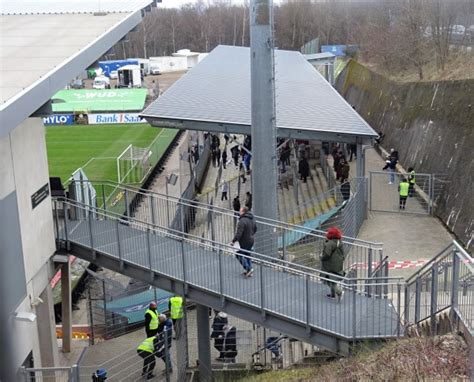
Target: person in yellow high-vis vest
{"type": "Point", "coordinates": [147, 350]}
{"type": "Point", "coordinates": [176, 308]}
{"type": "Point", "coordinates": [403, 189]}
{"type": "Point", "coordinates": [151, 320]}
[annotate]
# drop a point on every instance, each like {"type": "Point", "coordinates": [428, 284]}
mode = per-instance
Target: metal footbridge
{"type": "Point", "coordinates": [284, 296]}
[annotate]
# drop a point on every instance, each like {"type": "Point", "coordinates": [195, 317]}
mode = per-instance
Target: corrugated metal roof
{"type": "Point", "coordinates": [45, 43]}
{"type": "Point", "coordinates": [12, 7]}
{"type": "Point", "coordinates": [217, 90]}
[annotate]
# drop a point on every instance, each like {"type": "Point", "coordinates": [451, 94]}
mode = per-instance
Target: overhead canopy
{"type": "Point", "coordinates": [46, 43]}
{"type": "Point", "coordinates": [215, 96]}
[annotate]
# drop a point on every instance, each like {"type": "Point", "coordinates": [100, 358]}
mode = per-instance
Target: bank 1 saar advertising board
{"type": "Point", "coordinates": [112, 118]}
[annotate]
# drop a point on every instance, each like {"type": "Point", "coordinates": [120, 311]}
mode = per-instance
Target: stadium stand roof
{"type": "Point", "coordinates": [46, 43]}
{"type": "Point", "coordinates": [215, 96]}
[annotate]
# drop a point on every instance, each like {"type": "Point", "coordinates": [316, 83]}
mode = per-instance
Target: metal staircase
{"type": "Point", "coordinates": [283, 296]}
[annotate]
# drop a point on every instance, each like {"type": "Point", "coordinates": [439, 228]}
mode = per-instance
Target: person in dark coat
{"type": "Point", "coordinates": [344, 170]}
{"type": "Point", "coordinates": [248, 200]}
{"type": "Point", "coordinates": [391, 165]}
{"type": "Point", "coordinates": [234, 151]}
{"type": "Point", "coordinates": [244, 235]}
{"type": "Point", "coordinates": [236, 204]}
{"type": "Point", "coordinates": [230, 343]}
{"type": "Point", "coordinates": [218, 334]}
{"type": "Point", "coordinates": [303, 169]}
{"type": "Point", "coordinates": [353, 150]}
{"type": "Point", "coordinates": [224, 157]}
{"type": "Point", "coordinates": [332, 261]}
{"type": "Point", "coordinates": [346, 190]}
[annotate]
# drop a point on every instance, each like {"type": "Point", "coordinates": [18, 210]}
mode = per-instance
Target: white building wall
{"type": "Point", "coordinates": [170, 64]}
{"type": "Point", "coordinates": [24, 170]}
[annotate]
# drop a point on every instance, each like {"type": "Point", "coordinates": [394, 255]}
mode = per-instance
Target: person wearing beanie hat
{"type": "Point", "coordinates": [332, 261]}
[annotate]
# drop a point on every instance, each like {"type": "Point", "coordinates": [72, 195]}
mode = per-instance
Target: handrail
{"type": "Point", "coordinates": [429, 264]}
{"type": "Point", "coordinates": [264, 259]}
{"type": "Point", "coordinates": [230, 213]}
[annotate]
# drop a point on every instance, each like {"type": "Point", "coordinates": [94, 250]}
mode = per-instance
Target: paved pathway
{"type": "Point", "coordinates": [406, 237]}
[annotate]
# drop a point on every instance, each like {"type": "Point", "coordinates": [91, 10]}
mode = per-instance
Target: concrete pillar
{"type": "Point", "coordinates": [66, 306]}
{"type": "Point", "coordinates": [360, 161]}
{"type": "Point", "coordinates": [204, 343]}
{"type": "Point", "coordinates": [264, 161]}
{"type": "Point", "coordinates": [47, 329]}
{"type": "Point", "coordinates": [181, 332]}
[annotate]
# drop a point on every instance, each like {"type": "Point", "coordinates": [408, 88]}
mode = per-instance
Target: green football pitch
{"type": "Point", "coordinates": [95, 148]}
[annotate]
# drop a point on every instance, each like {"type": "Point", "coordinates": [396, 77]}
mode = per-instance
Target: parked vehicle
{"type": "Point", "coordinates": [155, 70]}
{"type": "Point", "coordinates": [78, 83]}
{"type": "Point", "coordinates": [101, 82]}
{"type": "Point", "coordinates": [113, 74]}
{"type": "Point", "coordinates": [130, 76]}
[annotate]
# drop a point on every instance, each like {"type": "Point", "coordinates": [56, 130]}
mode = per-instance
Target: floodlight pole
{"type": "Point", "coordinates": [264, 163]}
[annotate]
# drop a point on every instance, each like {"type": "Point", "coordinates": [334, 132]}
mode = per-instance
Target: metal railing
{"type": "Point", "coordinates": [446, 282]}
{"type": "Point", "coordinates": [50, 374]}
{"type": "Point", "coordinates": [287, 289]}
{"type": "Point", "coordinates": [296, 244]}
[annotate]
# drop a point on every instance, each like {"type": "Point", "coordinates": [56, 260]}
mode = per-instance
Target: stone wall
{"type": "Point", "coordinates": [432, 126]}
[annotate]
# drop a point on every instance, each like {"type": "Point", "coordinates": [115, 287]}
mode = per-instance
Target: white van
{"type": "Point", "coordinates": [101, 82]}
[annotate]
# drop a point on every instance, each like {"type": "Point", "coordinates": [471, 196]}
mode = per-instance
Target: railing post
{"type": "Point", "coordinates": [56, 222]}
{"type": "Point", "coordinates": [75, 373]}
{"type": "Point", "coordinates": [399, 293]}
{"type": "Point", "coordinates": [308, 304]}
{"type": "Point", "coordinates": [284, 244]}
{"type": "Point", "coordinates": [127, 206]}
{"type": "Point", "coordinates": [105, 308]}
{"type": "Point", "coordinates": [221, 278]}
{"type": "Point", "coordinates": [152, 210]}
{"type": "Point", "coordinates": [407, 305]}
{"type": "Point", "coordinates": [262, 294]}
{"type": "Point", "coordinates": [167, 355]}
{"type": "Point", "coordinates": [119, 247]}
{"type": "Point", "coordinates": [434, 297]}
{"type": "Point", "coordinates": [91, 236]}
{"type": "Point", "coordinates": [66, 217]}
{"type": "Point", "coordinates": [417, 299]}
{"type": "Point", "coordinates": [455, 281]}
{"type": "Point", "coordinates": [104, 201]}
{"type": "Point", "coordinates": [148, 249]}
{"type": "Point", "coordinates": [369, 272]}
{"type": "Point", "coordinates": [183, 261]}
{"type": "Point", "coordinates": [354, 312]}
{"type": "Point", "coordinates": [430, 195]}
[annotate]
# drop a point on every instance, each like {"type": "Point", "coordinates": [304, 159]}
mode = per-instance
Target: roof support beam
{"type": "Point", "coordinates": [226, 128]}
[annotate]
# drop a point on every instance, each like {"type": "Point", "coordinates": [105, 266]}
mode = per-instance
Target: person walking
{"type": "Point", "coordinates": [229, 351]}
{"type": "Point", "coordinates": [242, 172]}
{"type": "Point", "coordinates": [346, 190]}
{"type": "Point", "coordinates": [175, 307]}
{"type": "Point", "coordinates": [244, 235]}
{"type": "Point", "coordinates": [147, 351]}
{"type": "Point", "coordinates": [164, 341]}
{"type": "Point", "coordinates": [218, 156]}
{"type": "Point", "coordinates": [220, 320]}
{"type": "Point", "coordinates": [236, 205]}
{"type": "Point", "coordinates": [403, 189]}
{"type": "Point", "coordinates": [391, 165]}
{"type": "Point", "coordinates": [353, 151]}
{"type": "Point", "coordinates": [411, 181]}
{"type": "Point", "coordinates": [344, 170]}
{"type": "Point", "coordinates": [224, 157]}
{"type": "Point", "coordinates": [248, 200]}
{"type": "Point", "coordinates": [151, 320]}
{"type": "Point", "coordinates": [303, 169]}
{"type": "Point", "coordinates": [224, 190]}
{"type": "Point", "coordinates": [332, 261]}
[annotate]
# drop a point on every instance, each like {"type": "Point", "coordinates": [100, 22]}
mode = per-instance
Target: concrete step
{"type": "Point", "coordinates": [324, 184]}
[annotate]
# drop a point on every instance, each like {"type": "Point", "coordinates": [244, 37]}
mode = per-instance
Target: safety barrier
{"type": "Point", "coordinates": [50, 374]}
{"type": "Point", "coordinates": [445, 283]}
{"type": "Point", "coordinates": [296, 244]}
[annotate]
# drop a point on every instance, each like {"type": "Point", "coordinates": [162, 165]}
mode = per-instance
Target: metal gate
{"type": "Point", "coordinates": [384, 195]}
